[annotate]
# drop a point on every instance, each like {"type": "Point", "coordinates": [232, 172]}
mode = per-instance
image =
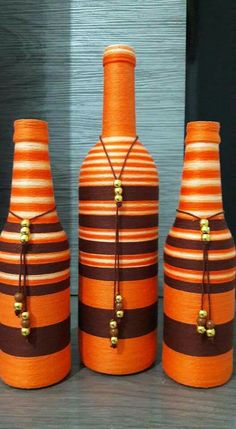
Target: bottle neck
{"type": "Point", "coordinates": [201, 192]}
{"type": "Point", "coordinates": [32, 190]}
{"type": "Point", "coordinates": [119, 99]}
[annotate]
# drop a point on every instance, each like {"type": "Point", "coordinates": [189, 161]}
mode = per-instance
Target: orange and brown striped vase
{"type": "Point", "coordinates": [34, 340]}
{"type": "Point", "coordinates": [138, 219]}
{"type": "Point", "coordinates": [199, 270]}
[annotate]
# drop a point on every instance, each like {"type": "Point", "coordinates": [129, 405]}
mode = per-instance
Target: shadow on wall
{"type": "Point", "coordinates": [34, 83]}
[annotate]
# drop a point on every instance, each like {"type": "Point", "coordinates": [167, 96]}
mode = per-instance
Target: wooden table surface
{"type": "Point", "coordinates": [147, 400]}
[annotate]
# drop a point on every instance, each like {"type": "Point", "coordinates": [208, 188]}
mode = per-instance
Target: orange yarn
{"type": "Point", "coordinates": [54, 365]}
{"type": "Point", "coordinates": [188, 357]}
{"type": "Point", "coordinates": [131, 356]}
{"type": "Point", "coordinates": [198, 371]}
{"type": "Point", "coordinates": [119, 98]}
{"type": "Point", "coordinates": [44, 357]}
{"type": "Point", "coordinates": [138, 232]}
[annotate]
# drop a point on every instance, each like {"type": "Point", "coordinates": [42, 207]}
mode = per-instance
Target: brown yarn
{"type": "Point", "coordinates": [117, 226]}
{"type": "Point", "coordinates": [205, 271]}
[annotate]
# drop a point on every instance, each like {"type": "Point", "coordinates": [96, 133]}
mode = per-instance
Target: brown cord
{"type": "Point", "coordinates": [117, 219]}
{"type": "Point", "coordinates": [22, 287]}
{"type": "Point", "coordinates": [205, 271]}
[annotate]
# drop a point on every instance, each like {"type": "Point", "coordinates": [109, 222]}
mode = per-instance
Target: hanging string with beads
{"type": "Point", "coordinates": [20, 304]}
{"type": "Point", "coordinates": [205, 325]}
{"type": "Point", "coordinates": [118, 198]}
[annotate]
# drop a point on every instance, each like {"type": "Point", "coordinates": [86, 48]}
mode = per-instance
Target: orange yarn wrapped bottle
{"type": "Point", "coordinates": [199, 270]}
{"type": "Point", "coordinates": [118, 227]}
{"type": "Point", "coordinates": [34, 270]}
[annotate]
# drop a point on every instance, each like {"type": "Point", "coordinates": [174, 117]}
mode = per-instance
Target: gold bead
{"type": "Point", "coordinates": [118, 191]}
{"type": "Point", "coordinates": [25, 222]}
{"type": "Point", "coordinates": [204, 222]}
{"type": "Point", "coordinates": [24, 238]}
{"type": "Point", "coordinates": [118, 298]}
{"type": "Point", "coordinates": [117, 183]}
{"type": "Point", "coordinates": [205, 229]}
{"type": "Point", "coordinates": [210, 332]}
{"type": "Point", "coordinates": [25, 230]}
{"type": "Point", "coordinates": [118, 198]}
{"type": "Point", "coordinates": [203, 314]}
{"type": "Point", "coordinates": [113, 324]}
{"type": "Point", "coordinates": [114, 340]}
{"type": "Point", "coordinates": [25, 315]}
{"type": "Point", "coordinates": [206, 237]}
{"type": "Point", "coordinates": [119, 314]}
{"type": "Point", "coordinates": [25, 332]}
{"type": "Point", "coordinates": [201, 329]}
{"type": "Point", "coordinates": [18, 306]}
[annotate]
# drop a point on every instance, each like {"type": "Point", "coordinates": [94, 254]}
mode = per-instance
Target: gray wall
{"type": "Point", "coordinates": [51, 68]}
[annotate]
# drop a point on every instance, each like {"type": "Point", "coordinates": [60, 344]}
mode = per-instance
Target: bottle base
{"type": "Point", "coordinates": [198, 372]}
{"type": "Point", "coordinates": [133, 355]}
{"type": "Point", "coordinates": [35, 373]}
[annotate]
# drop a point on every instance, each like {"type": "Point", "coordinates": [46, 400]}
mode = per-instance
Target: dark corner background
{"type": "Point", "coordinates": [211, 82]}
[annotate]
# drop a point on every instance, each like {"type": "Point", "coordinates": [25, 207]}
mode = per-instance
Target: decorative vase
{"type": "Point", "coordinates": [199, 270]}
{"type": "Point", "coordinates": [118, 329]}
{"type": "Point", "coordinates": [34, 270]}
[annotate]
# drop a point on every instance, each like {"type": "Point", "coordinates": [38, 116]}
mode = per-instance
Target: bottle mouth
{"type": "Point", "coordinates": [119, 52]}
{"type": "Point", "coordinates": [29, 130]}
{"type": "Point", "coordinates": [203, 131]}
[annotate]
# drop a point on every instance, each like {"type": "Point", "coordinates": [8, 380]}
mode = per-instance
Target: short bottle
{"type": "Point", "coordinates": [200, 268]}
{"type": "Point", "coordinates": [34, 270]}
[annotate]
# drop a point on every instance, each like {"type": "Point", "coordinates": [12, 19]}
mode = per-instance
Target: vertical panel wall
{"type": "Point", "coordinates": [51, 68]}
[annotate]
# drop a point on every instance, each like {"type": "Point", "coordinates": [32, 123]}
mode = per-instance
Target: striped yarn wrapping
{"type": "Point", "coordinates": [136, 348]}
{"type": "Point", "coordinates": [44, 358]}
{"type": "Point", "coordinates": [188, 357]}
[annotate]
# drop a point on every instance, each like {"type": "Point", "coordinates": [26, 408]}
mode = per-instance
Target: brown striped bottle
{"type": "Point", "coordinates": [199, 284]}
{"type": "Point", "coordinates": [42, 357]}
{"type": "Point", "coordinates": [138, 220]}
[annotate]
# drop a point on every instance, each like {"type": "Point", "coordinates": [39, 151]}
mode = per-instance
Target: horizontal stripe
{"type": "Point", "coordinates": [197, 287]}
{"type": "Point", "coordinates": [189, 264]}
{"type": "Point", "coordinates": [35, 269]}
{"type": "Point", "coordinates": [215, 224]}
{"type": "Point", "coordinates": [197, 244]}
{"type": "Point", "coordinates": [125, 235]}
{"type": "Point", "coordinates": [214, 255]}
{"type": "Point", "coordinates": [137, 273]}
{"type": "Point", "coordinates": [126, 222]}
{"type": "Point", "coordinates": [34, 228]}
{"type": "Point", "coordinates": [41, 237]}
{"type": "Point", "coordinates": [135, 323]}
{"type": "Point", "coordinates": [131, 193]}
{"type": "Point", "coordinates": [99, 293]}
{"type": "Point", "coordinates": [125, 261]}
{"type": "Point", "coordinates": [183, 338]}
{"type": "Point", "coordinates": [130, 248]}
{"type": "Point", "coordinates": [13, 279]}
{"type": "Point", "coordinates": [219, 276]}
{"type": "Point", "coordinates": [36, 290]}
{"type": "Point", "coordinates": [42, 341]}
{"type": "Point", "coordinates": [36, 247]}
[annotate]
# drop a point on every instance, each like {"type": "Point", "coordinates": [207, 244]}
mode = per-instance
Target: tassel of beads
{"type": "Point", "coordinates": [205, 326]}
{"type": "Point", "coordinates": [20, 299]}
{"type": "Point", "coordinates": [119, 313]}
{"type": "Point", "coordinates": [118, 190]}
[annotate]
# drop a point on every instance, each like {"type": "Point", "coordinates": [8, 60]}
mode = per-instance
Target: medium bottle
{"type": "Point", "coordinates": [34, 270]}
{"type": "Point", "coordinates": [110, 344]}
{"type": "Point", "coordinates": [199, 270]}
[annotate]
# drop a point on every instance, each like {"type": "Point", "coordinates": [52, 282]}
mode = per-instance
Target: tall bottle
{"type": "Point", "coordinates": [138, 230]}
{"type": "Point", "coordinates": [199, 270]}
{"type": "Point", "coordinates": [34, 270]}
